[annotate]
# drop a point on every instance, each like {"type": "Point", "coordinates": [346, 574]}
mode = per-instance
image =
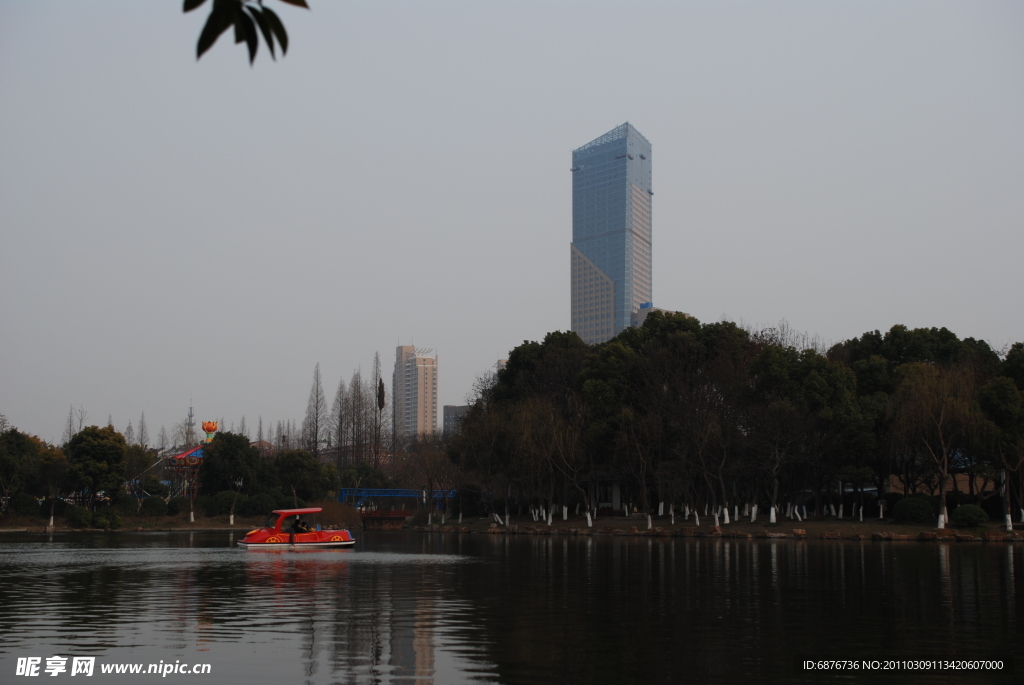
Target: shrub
{"type": "Point", "coordinates": [78, 517]}
{"type": "Point", "coordinates": [126, 505]}
{"type": "Point", "coordinates": [106, 518]}
{"type": "Point", "coordinates": [225, 499]}
{"type": "Point", "coordinates": [257, 505]}
{"type": "Point", "coordinates": [153, 506]}
{"type": "Point", "coordinates": [916, 509]}
{"type": "Point", "coordinates": [967, 515]}
{"type": "Point", "coordinates": [993, 506]}
{"type": "Point", "coordinates": [177, 505]}
{"type": "Point", "coordinates": [23, 504]}
{"type": "Point", "coordinates": [206, 505]}
{"type": "Point", "coordinates": [60, 508]}
{"type": "Point", "coordinates": [286, 501]}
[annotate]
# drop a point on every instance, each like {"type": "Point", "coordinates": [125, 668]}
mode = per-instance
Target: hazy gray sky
{"type": "Point", "coordinates": [173, 229]}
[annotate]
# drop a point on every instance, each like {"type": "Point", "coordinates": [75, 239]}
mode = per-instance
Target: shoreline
{"type": "Point", "coordinates": [633, 526]}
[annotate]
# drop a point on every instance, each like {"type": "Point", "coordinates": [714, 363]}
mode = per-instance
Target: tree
{"type": "Point", "coordinates": [315, 425]}
{"type": "Point", "coordinates": [934, 414]}
{"type": "Point", "coordinates": [230, 462]}
{"type": "Point", "coordinates": [129, 434]}
{"type": "Point", "coordinates": [245, 16]}
{"type": "Point", "coordinates": [305, 476]}
{"type": "Point", "coordinates": [143, 431]}
{"type": "Point", "coordinates": [53, 473]}
{"type": "Point", "coordinates": [137, 460]}
{"type": "Point", "coordinates": [69, 427]}
{"type": "Point", "coordinates": [96, 460]}
{"type": "Point", "coordinates": [19, 461]}
{"type": "Point", "coordinates": [163, 438]}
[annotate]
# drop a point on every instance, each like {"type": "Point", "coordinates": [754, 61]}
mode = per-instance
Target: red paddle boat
{"type": "Point", "coordinates": [295, 533]}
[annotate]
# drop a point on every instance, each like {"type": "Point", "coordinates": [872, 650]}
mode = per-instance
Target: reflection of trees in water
{"type": "Point", "coordinates": [547, 609]}
{"type": "Point", "coordinates": [705, 608]}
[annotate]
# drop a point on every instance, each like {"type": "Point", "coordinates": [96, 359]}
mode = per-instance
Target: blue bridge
{"type": "Point", "coordinates": [362, 494]}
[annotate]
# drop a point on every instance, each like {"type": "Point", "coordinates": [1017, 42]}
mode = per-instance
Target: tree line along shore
{"type": "Point", "coordinates": [674, 419]}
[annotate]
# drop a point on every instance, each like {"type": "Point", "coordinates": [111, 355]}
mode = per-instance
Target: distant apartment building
{"type": "Point", "coordinates": [453, 415]}
{"type": "Point", "coordinates": [414, 392]}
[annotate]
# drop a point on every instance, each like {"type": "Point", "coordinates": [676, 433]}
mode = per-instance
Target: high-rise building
{"type": "Point", "coordinates": [414, 392]}
{"type": "Point", "coordinates": [453, 415]}
{"type": "Point", "coordinates": [611, 232]}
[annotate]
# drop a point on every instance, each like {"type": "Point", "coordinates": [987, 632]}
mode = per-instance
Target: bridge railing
{"type": "Point", "coordinates": [362, 494]}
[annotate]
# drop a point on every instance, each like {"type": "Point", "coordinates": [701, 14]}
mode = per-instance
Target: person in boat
{"type": "Point", "coordinates": [301, 527]}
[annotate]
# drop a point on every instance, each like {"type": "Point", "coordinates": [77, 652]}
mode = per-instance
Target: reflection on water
{"type": "Point", "coordinates": [404, 608]}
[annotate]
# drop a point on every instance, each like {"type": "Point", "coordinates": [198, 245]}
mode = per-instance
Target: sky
{"type": "Point", "coordinates": [175, 231]}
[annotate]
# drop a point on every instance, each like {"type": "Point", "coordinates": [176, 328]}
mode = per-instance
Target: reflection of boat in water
{"type": "Point", "coordinates": [294, 534]}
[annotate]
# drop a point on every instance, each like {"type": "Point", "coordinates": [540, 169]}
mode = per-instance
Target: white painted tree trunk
{"type": "Point", "coordinates": [705, 509]}
{"type": "Point", "coordinates": [746, 508]}
{"type": "Point", "coordinates": [50, 527]}
{"type": "Point", "coordinates": [577, 509]}
{"type": "Point", "coordinates": [672, 515]}
{"type": "Point", "coordinates": [1022, 515]}
{"type": "Point", "coordinates": [861, 514]}
{"type": "Point", "coordinates": [686, 512]}
{"type": "Point", "coordinates": [661, 508]}
{"type": "Point", "coordinates": [565, 513]}
{"type": "Point", "coordinates": [771, 514]}
{"type": "Point", "coordinates": [796, 510]}
{"type": "Point", "coordinates": [789, 510]}
{"type": "Point", "coordinates": [725, 510]}
{"type": "Point", "coordinates": [551, 515]}
{"type": "Point", "coordinates": [191, 517]}
{"type": "Point", "coordinates": [831, 508]}
{"type": "Point", "coordinates": [805, 511]}
{"type": "Point", "coordinates": [696, 518]}
{"type": "Point", "coordinates": [590, 521]}
{"type": "Point", "coordinates": [881, 509]}
{"type": "Point", "coordinates": [648, 522]}
{"type": "Point", "coordinates": [460, 517]}
{"type": "Point", "coordinates": [442, 518]}
{"type": "Point", "coordinates": [1009, 522]}
{"type": "Point", "coordinates": [753, 513]}
{"type": "Point", "coordinates": [231, 520]}
{"type": "Point", "coordinates": [430, 518]}
{"type": "Point", "coordinates": [942, 521]}
{"type": "Point", "coordinates": [716, 518]}
{"type": "Point", "coordinates": [840, 510]}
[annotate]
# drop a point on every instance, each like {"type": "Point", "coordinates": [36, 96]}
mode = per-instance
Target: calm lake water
{"type": "Point", "coordinates": [432, 608]}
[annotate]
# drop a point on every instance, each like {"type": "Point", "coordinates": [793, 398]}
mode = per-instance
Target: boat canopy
{"type": "Point", "coordinates": [293, 512]}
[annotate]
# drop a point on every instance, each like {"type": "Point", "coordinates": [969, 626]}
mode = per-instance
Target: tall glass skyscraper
{"type": "Point", "coordinates": [611, 232]}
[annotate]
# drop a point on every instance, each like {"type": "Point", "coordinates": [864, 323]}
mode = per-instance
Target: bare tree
{"type": "Point", "coordinates": [143, 432]}
{"type": "Point", "coordinates": [378, 385]}
{"type": "Point", "coordinates": [314, 426]}
{"type": "Point", "coordinates": [69, 429]}
{"type": "Point", "coordinates": [243, 429]}
{"type": "Point", "coordinates": [163, 437]}
{"type": "Point", "coordinates": [81, 415]}
{"type": "Point", "coordinates": [129, 434]}
{"type": "Point", "coordinates": [339, 423]}
{"type": "Point", "coordinates": [934, 412]}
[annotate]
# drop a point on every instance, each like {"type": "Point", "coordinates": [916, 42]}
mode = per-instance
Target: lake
{"type": "Point", "coordinates": [446, 608]}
